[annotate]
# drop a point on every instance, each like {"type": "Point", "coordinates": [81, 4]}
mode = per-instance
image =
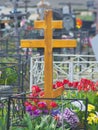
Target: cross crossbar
{"type": "Point", "coordinates": [58, 43]}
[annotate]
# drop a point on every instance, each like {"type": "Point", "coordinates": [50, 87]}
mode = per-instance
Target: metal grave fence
{"type": "Point", "coordinates": [72, 67]}
{"type": "Point", "coordinates": [12, 75]}
{"type": "Point", "coordinates": [16, 111]}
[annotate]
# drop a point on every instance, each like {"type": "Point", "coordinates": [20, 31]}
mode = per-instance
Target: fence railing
{"type": "Point", "coordinates": [72, 67]}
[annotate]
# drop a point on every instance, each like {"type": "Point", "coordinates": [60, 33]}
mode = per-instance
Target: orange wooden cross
{"type": "Point", "coordinates": [48, 44]}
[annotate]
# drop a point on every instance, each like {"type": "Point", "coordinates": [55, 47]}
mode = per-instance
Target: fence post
{"type": "Point", "coordinates": [71, 70]}
{"type": "Point", "coordinates": [8, 115]}
{"type": "Point", "coordinates": [31, 77]}
{"type": "Point", "coordinates": [85, 123]}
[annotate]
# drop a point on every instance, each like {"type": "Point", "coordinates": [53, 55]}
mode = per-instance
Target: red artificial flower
{"type": "Point", "coordinates": [54, 86]}
{"type": "Point", "coordinates": [75, 84]}
{"type": "Point", "coordinates": [70, 84]}
{"type": "Point", "coordinates": [79, 87]}
{"type": "Point", "coordinates": [34, 95]}
{"type": "Point", "coordinates": [26, 103]}
{"type": "Point", "coordinates": [53, 104]}
{"type": "Point", "coordinates": [65, 81]}
{"type": "Point", "coordinates": [86, 89]}
{"type": "Point", "coordinates": [83, 80]}
{"type": "Point", "coordinates": [35, 89]}
{"type": "Point", "coordinates": [59, 84]}
{"type": "Point", "coordinates": [34, 108]}
{"type": "Point", "coordinates": [93, 88]}
{"type": "Point", "coordinates": [41, 94]}
{"type": "Point", "coordinates": [96, 85]}
{"type": "Point", "coordinates": [86, 85]}
{"type": "Point", "coordinates": [41, 105]}
{"type": "Point", "coordinates": [36, 100]}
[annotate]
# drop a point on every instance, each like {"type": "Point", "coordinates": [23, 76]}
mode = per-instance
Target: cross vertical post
{"type": "Point", "coordinates": [48, 56]}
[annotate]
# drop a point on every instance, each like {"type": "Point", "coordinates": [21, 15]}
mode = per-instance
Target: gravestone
{"type": "Point", "coordinates": [5, 90]}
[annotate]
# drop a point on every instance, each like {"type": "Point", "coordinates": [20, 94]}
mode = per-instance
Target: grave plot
{"type": "Point", "coordinates": [52, 107]}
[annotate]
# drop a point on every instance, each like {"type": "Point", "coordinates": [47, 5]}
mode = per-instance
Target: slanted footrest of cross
{"type": "Point", "coordinates": [52, 95]}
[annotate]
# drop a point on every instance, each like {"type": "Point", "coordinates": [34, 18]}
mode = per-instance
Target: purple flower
{"type": "Point", "coordinates": [70, 117]}
{"type": "Point", "coordinates": [55, 112]}
{"type": "Point", "coordinates": [45, 111]}
{"type": "Point", "coordinates": [30, 113]}
{"type": "Point", "coordinates": [37, 112]}
{"type": "Point", "coordinates": [28, 108]}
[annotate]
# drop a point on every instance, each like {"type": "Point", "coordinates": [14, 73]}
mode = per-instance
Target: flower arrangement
{"type": "Point", "coordinates": [35, 106]}
{"type": "Point", "coordinates": [73, 113]}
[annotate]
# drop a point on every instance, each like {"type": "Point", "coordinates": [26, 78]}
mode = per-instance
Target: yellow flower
{"type": "Point", "coordinates": [89, 119]}
{"type": "Point", "coordinates": [96, 120]}
{"type": "Point", "coordinates": [97, 93]}
{"type": "Point", "coordinates": [90, 107]}
{"type": "Point", "coordinates": [92, 118]}
{"type": "Point", "coordinates": [65, 93]}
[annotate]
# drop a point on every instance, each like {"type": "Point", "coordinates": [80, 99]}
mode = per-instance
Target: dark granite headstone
{"type": "Point", "coordinates": [5, 90]}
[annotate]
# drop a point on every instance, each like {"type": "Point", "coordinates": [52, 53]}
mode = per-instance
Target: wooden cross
{"type": "Point", "coordinates": [48, 44]}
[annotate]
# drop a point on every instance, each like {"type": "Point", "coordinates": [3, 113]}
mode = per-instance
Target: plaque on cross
{"type": "Point", "coordinates": [48, 44]}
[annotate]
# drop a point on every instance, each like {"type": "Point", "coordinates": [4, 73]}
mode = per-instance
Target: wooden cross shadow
{"type": "Point", "coordinates": [48, 44]}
